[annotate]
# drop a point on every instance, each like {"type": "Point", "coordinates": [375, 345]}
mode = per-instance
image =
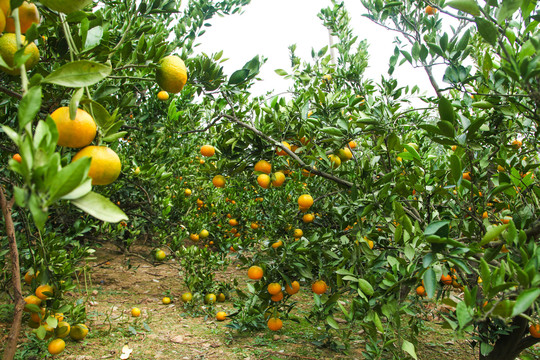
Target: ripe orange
{"type": "Point", "coordinates": [44, 292]}
{"type": "Point", "coordinates": [277, 244]}
{"type": "Point", "coordinates": [56, 346]}
{"type": "Point", "coordinates": [219, 181]}
{"type": "Point", "coordinates": [8, 48]}
{"type": "Point", "coordinates": [194, 237]}
{"type": "Point", "coordinates": [277, 297]}
{"type": "Point", "coordinates": [274, 324]}
{"type": "Point", "coordinates": [163, 95]}
{"type": "Point", "coordinates": [274, 288]}
{"type": "Point", "coordinates": [28, 15]}
{"type": "Point", "coordinates": [307, 218]}
{"type": "Point", "coordinates": [305, 201]}
{"type": "Point", "coordinates": [171, 74]}
{"type": "Point", "coordinates": [319, 287]}
{"type": "Point", "coordinates": [29, 276]}
{"type": "Point", "coordinates": [352, 144]}
{"type": "Point", "coordinates": [446, 279]}
{"type": "Point", "coordinates": [421, 291]}
{"type": "Point", "coordinates": [264, 181]}
{"type": "Point", "coordinates": [207, 150]}
{"type": "Point", "coordinates": [255, 273]}
{"type": "Point", "coordinates": [298, 233]}
{"type": "Point", "coordinates": [32, 299]}
{"type": "Point", "coordinates": [431, 10]}
{"type": "Point", "coordinates": [166, 300]}
{"type": "Point", "coordinates": [263, 166]}
{"type": "Point", "coordinates": [500, 168]}
{"type": "Point", "coordinates": [467, 175]}
{"type": "Point", "coordinates": [280, 151]}
{"type": "Point", "coordinates": [222, 315]}
{"type": "Point", "coordinates": [335, 160]}
{"type": "Point", "coordinates": [210, 299]}
{"type": "Point", "coordinates": [293, 289]}
{"type": "Point", "coordinates": [506, 219]}
{"type": "Point", "coordinates": [17, 157]}
{"type": "Point", "coordinates": [76, 133]}
{"type": "Point", "coordinates": [254, 226]}
{"type": "Point", "coordinates": [105, 166]}
{"type": "Point", "coordinates": [345, 154]}
{"type": "Point", "coordinates": [186, 297]}
{"type": "Point", "coordinates": [135, 312]}
{"type": "Point", "coordinates": [160, 255]}
{"type": "Point", "coordinates": [485, 215]}
{"type": "Point", "coordinates": [534, 330]}
{"type": "Point", "coordinates": [38, 316]}
{"type": "Point", "coordinates": [233, 222]}
{"type": "Point", "coordinates": [204, 234]}
{"type": "Point", "coordinates": [5, 6]}
{"type": "Point", "coordinates": [62, 329]}
{"type": "Point", "coordinates": [516, 144]}
{"type": "Point", "coordinates": [278, 179]}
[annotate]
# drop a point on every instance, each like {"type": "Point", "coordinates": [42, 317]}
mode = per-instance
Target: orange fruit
{"type": "Point", "coordinates": [62, 329]}
{"type": "Point", "coordinates": [454, 147]}
{"type": "Point", "coordinates": [293, 289]}
{"type": "Point", "coordinates": [516, 144]}
{"type": "Point", "coordinates": [186, 297]}
{"type": "Point", "coordinates": [233, 222]}
{"type": "Point", "coordinates": [264, 181]}
{"type": "Point", "coordinates": [56, 346]}
{"type": "Point", "coordinates": [277, 297]}
{"type": "Point", "coordinates": [2, 20]}
{"type": "Point", "coordinates": [135, 312]}
{"type": "Point", "coordinates": [163, 95]}
{"type": "Point", "coordinates": [319, 287]}
{"type": "Point", "coordinates": [28, 15]}
{"type": "Point", "coordinates": [335, 160]}
{"type": "Point", "coordinates": [204, 234]}
{"type": "Point", "coordinates": [219, 181]}
{"type": "Point", "coordinates": [160, 255]}
{"type": "Point", "coordinates": [221, 297]}
{"type": "Point", "coordinates": [298, 233]}
{"type": "Point", "coordinates": [187, 192]}
{"type": "Point", "coordinates": [8, 48]}
{"type": "Point", "coordinates": [263, 166]}
{"type": "Point", "coordinates": [105, 166]}
{"type": "Point", "coordinates": [278, 179]}
{"type": "Point", "coordinates": [274, 324]}
{"type": "Point", "coordinates": [166, 300]}
{"type": "Point", "coordinates": [76, 133]}
{"type": "Point", "coordinates": [38, 316]}
{"type": "Point", "coordinates": [506, 219]}
{"type": "Point", "coordinates": [17, 157]}
{"type": "Point", "coordinates": [274, 288]}
{"type": "Point", "coordinates": [78, 332]}
{"type": "Point", "coordinates": [210, 299]}
{"type": "Point", "coordinates": [5, 6]}
{"type": "Point", "coordinates": [254, 226]}
{"type": "Point", "coordinates": [280, 151]}
{"type": "Point", "coordinates": [352, 144]}
{"type": "Point", "coordinates": [29, 276]}
{"type": "Point", "coordinates": [345, 154]}
{"type": "Point", "coordinates": [485, 215]}
{"type": "Point", "coordinates": [194, 237]}
{"type": "Point", "coordinates": [220, 316]}
{"type": "Point", "coordinates": [32, 299]}
{"type": "Point", "coordinates": [305, 201]}
{"type": "Point", "coordinates": [44, 292]}
{"type": "Point", "coordinates": [255, 273]}
{"type": "Point", "coordinates": [421, 291]}
{"type": "Point", "coordinates": [307, 218]}
{"type": "Point", "coordinates": [467, 176]}
{"type": "Point", "coordinates": [171, 74]}
{"type": "Point", "coordinates": [277, 244]}
{"type": "Point", "coordinates": [500, 168]}
{"type": "Point", "coordinates": [534, 330]}
{"type": "Point", "coordinates": [430, 10]}
{"type": "Point", "coordinates": [446, 279]}
{"type": "Point", "coordinates": [207, 150]}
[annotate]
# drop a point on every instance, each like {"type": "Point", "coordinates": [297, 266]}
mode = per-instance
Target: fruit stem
{"type": "Point", "coordinates": [71, 44]}
{"type": "Point", "coordinates": [18, 39]}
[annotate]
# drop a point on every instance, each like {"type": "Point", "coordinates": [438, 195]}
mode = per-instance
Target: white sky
{"type": "Point", "coordinates": [268, 27]}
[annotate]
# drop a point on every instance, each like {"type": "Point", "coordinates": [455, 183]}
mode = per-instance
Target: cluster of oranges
{"type": "Point", "coordinates": [54, 323]}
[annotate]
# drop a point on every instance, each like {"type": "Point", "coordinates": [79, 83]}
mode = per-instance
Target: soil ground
{"type": "Point", "coordinates": [172, 331]}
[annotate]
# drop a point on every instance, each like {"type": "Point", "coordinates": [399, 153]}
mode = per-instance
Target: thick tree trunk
{"type": "Point", "coordinates": [11, 344]}
{"type": "Point", "coordinates": [508, 347]}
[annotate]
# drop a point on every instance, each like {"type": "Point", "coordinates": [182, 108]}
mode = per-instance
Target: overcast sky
{"type": "Point", "coordinates": [269, 27]}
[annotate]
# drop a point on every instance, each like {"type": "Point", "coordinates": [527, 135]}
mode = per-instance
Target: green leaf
{"type": "Point", "coordinates": [446, 110]}
{"type": "Point", "coordinates": [408, 347]}
{"type": "Point", "coordinates": [446, 128]}
{"type": "Point", "coordinates": [78, 74]}
{"type": "Point", "coordinates": [238, 76]}
{"type": "Point", "coordinates": [79, 191]}
{"type": "Point", "coordinates": [525, 300]}
{"type": "Point", "coordinates": [467, 6]}
{"type": "Point", "coordinates": [74, 103]}
{"type": "Point", "coordinates": [439, 228]}
{"type": "Point", "coordinates": [455, 167]}
{"type": "Point", "coordinates": [487, 30]}
{"type": "Point", "coordinates": [507, 9]}
{"type": "Point", "coordinates": [281, 72]}
{"type": "Point", "coordinates": [365, 287]}
{"type": "Point", "coordinates": [482, 104]}
{"type": "Point", "coordinates": [493, 233]}
{"type": "Point", "coordinates": [332, 131]}
{"type": "Point", "coordinates": [102, 117]}
{"type": "Point", "coordinates": [100, 207]}
{"type": "Point", "coordinates": [430, 282]}
{"type": "Point", "coordinates": [330, 321]}
{"type": "Point", "coordinates": [68, 179]}
{"type": "Point", "coordinates": [463, 315]}
{"type": "Point", "coordinates": [29, 106]}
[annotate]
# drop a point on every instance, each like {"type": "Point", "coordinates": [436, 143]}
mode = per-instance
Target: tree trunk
{"type": "Point", "coordinates": [11, 344]}
{"type": "Point", "coordinates": [508, 347]}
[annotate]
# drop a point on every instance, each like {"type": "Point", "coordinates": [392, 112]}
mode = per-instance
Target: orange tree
{"type": "Point", "coordinates": [106, 60]}
{"type": "Point", "coordinates": [445, 191]}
